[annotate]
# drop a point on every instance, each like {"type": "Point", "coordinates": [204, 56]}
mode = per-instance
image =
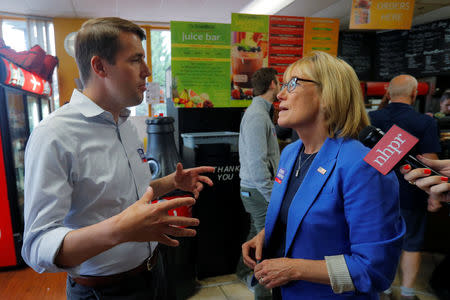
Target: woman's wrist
{"type": "Point", "coordinates": [296, 273]}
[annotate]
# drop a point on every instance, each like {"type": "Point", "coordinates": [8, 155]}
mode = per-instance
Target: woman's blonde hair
{"type": "Point", "coordinates": [341, 96]}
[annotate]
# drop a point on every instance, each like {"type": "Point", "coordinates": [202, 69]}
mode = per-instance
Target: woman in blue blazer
{"type": "Point", "coordinates": [333, 229]}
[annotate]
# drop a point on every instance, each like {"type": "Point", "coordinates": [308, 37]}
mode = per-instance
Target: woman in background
{"type": "Point", "coordinates": [333, 229]}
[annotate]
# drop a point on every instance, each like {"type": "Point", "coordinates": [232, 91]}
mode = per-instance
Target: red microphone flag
{"type": "Point", "coordinates": [391, 148]}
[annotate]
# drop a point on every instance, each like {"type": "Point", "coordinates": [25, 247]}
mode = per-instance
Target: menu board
{"type": "Point", "coordinates": [445, 45]}
{"type": "Point", "coordinates": [200, 64]}
{"type": "Point", "coordinates": [321, 34]}
{"type": "Point", "coordinates": [390, 58]}
{"type": "Point", "coordinates": [434, 48]}
{"type": "Point", "coordinates": [414, 50]}
{"type": "Point", "coordinates": [285, 42]}
{"type": "Point", "coordinates": [357, 49]}
{"type": "Point", "coordinates": [423, 51]}
{"type": "Point", "coordinates": [274, 41]}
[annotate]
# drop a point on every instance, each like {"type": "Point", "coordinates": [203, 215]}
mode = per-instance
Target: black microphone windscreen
{"type": "Point", "coordinates": [370, 135]}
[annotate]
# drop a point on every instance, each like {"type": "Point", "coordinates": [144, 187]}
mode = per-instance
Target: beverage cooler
{"type": "Point", "coordinates": [24, 101]}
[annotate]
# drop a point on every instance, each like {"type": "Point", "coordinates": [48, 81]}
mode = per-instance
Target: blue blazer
{"type": "Point", "coordinates": [344, 206]}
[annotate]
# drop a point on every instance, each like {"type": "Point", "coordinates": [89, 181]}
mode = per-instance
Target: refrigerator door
{"type": "Point", "coordinates": [45, 106]}
{"type": "Point", "coordinates": [7, 246]}
{"type": "Point", "coordinates": [33, 111]}
{"type": "Point", "coordinates": [18, 130]}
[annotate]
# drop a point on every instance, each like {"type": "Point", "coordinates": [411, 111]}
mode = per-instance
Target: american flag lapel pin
{"type": "Point", "coordinates": [321, 170]}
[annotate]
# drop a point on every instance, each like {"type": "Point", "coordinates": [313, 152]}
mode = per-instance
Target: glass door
{"type": "Point", "coordinates": [19, 134]}
{"type": "Point", "coordinates": [33, 112]}
{"type": "Point", "coordinates": [45, 106]}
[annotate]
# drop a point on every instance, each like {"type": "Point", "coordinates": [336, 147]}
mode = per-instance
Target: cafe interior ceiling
{"type": "Point", "coordinates": [164, 11]}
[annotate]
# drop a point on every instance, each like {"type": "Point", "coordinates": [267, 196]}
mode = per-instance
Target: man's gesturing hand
{"type": "Point", "coordinates": [144, 221]}
{"type": "Point", "coordinates": [190, 180]}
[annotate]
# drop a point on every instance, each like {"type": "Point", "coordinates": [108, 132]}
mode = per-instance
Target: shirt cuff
{"type": "Point", "coordinates": [50, 245]}
{"type": "Point", "coordinates": [339, 275]}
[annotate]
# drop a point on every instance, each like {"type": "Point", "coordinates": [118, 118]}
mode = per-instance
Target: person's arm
{"type": "Point", "coordinates": [279, 271]}
{"type": "Point", "coordinates": [50, 244]}
{"type": "Point", "coordinates": [384, 101]}
{"type": "Point", "coordinates": [252, 250]}
{"type": "Point", "coordinates": [371, 207]}
{"type": "Point", "coordinates": [188, 180]}
{"type": "Point", "coordinates": [140, 222]}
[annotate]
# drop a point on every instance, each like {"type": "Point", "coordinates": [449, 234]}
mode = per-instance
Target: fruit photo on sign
{"type": "Point", "coordinates": [189, 98]}
{"type": "Point", "coordinates": [238, 93]}
{"type": "Point", "coordinates": [248, 53]}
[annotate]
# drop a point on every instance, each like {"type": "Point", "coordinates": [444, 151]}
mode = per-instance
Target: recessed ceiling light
{"type": "Point", "coordinates": [265, 7]}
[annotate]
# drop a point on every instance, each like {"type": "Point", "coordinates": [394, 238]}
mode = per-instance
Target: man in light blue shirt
{"type": "Point", "coordinates": [259, 155]}
{"type": "Point", "coordinates": [88, 193]}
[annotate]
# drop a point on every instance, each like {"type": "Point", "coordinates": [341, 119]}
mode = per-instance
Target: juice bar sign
{"type": "Point", "coordinates": [22, 79]}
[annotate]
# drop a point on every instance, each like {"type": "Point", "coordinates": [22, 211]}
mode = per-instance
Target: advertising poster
{"type": "Point", "coordinates": [321, 34]}
{"type": "Point", "coordinates": [381, 14]}
{"type": "Point", "coordinates": [249, 52]}
{"type": "Point", "coordinates": [285, 42]}
{"type": "Point", "coordinates": [200, 64]}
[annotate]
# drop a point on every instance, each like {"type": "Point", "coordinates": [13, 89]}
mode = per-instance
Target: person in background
{"type": "Point", "coordinates": [402, 92]}
{"type": "Point", "coordinates": [438, 188]}
{"type": "Point", "coordinates": [259, 155]}
{"type": "Point", "coordinates": [88, 193]}
{"type": "Point", "coordinates": [286, 134]}
{"type": "Point", "coordinates": [444, 105]}
{"type": "Point", "coordinates": [327, 235]}
{"type": "Point", "coordinates": [443, 120]}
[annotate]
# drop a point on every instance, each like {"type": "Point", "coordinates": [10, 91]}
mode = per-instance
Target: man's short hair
{"type": "Point", "coordinates": [445, 96]}
{"type": "Point", "coordinates": [262, 79]}
{"type": "Point", "coordinates": [100, 37]}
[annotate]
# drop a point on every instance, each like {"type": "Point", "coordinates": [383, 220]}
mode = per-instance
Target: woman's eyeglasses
{"type": "Point", "coordinates": [292, 84]}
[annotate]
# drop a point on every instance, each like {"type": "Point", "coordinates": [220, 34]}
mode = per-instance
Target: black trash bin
{"type": "Point", "coordinates": [224, 224]}
{"type": "Point", "coordinates": [163, 157]}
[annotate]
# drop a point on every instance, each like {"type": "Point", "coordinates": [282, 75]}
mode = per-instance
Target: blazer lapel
{"type": "Point", "coordinates": [278, 192]}
{"type": "Point", "coordinates": [312, 184]}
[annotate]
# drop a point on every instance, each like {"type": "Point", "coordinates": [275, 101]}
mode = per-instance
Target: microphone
{"type": "Point", "coordinates": [371, 136]}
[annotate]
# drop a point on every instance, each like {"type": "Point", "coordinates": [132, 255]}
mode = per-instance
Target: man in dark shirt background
{"type": "Point", "coordinates": [402, 92]}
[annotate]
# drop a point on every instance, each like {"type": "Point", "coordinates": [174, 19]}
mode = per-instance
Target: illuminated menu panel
{"type": "Point", "coordinates": [285, 42]}
{"type": "Point", "coordinates": [321, 34]}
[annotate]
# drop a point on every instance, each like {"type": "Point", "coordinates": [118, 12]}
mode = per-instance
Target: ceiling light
{"type": "Point", "coordinates": [265, 7]}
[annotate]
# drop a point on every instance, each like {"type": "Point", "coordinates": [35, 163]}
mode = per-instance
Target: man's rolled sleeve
{"type": "Point", "coordinates": [40, 254]}
{"type": "Point", "coordinates": [47, 199]}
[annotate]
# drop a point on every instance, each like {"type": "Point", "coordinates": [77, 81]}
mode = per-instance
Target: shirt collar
{"type": "Point", "coordinates": [89, 108]}
{"type": "Point", "coordinates": [399, 104]}
{"type": "Point", "coordinates": [267, 104]}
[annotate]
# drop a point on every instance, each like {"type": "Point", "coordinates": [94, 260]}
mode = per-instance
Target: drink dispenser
{"type": "Point", "coordinates": [162, 155]}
